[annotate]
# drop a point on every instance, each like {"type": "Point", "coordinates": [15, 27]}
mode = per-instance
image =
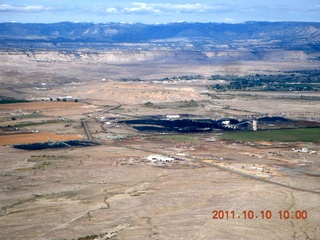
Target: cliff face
{"type": "Point", "coordinates": [187, 42]}
{"type": "Point", "coordinates": [117, 57]}
{"type": "Point", "coordinates": [155, 56]}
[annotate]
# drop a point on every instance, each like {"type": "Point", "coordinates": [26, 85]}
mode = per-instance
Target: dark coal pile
{"type": "Point", "coordinates": [54, 145]}
{"type": "Point", "coordinates": [275, 120]}
{"type": "Point", "coordinates": [171, 126]}
{"type": "Point", "coordinates": [160, 124]}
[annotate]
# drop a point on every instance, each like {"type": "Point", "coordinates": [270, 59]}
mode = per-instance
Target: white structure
{"type": "Point", "coordinates": [160, 158]}
{"type": "Point", "coordinates": [172, 116]}
{"type": "Point", "coordinates": [227, 122]}
{"type": "Point", "coordinates": [304, 150]}
{"type": "Point", "coordinates": [254, 125]}
{"type": "Point", "coordinates": [182, 154]}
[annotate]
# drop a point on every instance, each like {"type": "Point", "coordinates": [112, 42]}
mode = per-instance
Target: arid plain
{"type": "Point", "coordinates": [112, 191]}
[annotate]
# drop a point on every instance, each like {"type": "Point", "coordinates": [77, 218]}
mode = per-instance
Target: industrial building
{"type": "Point", "coordinates": [159, 158]}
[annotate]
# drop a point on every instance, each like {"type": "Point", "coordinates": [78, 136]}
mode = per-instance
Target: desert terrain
{"type": "Point", "coordinates": [112, 191]}
{"type": "Point", "coordinates": [190, 137]}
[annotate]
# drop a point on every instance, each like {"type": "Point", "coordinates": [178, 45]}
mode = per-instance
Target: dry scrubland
{"type": "Point", "coordinates": [111, 191]}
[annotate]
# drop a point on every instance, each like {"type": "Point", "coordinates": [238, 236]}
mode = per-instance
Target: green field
{"type": "Point", "coordinates": [180, 138]}
{"type": "Point", "coordinates": [284, 135]}
{"type": "Point", "coordinates": [33, 115]}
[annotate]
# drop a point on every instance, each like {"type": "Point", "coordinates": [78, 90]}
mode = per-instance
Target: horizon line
{"type": "Point", "coordinates": [164, 23]}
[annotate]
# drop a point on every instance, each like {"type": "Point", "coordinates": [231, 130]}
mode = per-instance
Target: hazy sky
{"type": "Point", "coordinates": [162, 11]}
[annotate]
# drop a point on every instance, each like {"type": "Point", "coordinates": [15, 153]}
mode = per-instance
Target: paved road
{"type": "Point", "coordinates": [86, 130]}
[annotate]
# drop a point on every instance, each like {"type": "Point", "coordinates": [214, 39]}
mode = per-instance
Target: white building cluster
{"type": "Point", "coordinates": [159, 158]}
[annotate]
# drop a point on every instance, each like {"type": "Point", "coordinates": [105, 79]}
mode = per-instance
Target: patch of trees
{"type": "Point", "coordinates": [149, 104]}
{"type": "Point", "coordinates": [307, 80]}
{"type": "Point", "coordinates": [188, 104]}
{"type": "Point", "coordinates": [185, 77]}
{"type": "Point", "coordinates": [130, 80]}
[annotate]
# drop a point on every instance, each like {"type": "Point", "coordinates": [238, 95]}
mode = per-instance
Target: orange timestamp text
{"type": "Point", "coordinates": [264, 214]}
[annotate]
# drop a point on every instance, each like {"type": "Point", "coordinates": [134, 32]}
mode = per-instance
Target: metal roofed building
{"type": "Point", "coordinates": [160, 158]}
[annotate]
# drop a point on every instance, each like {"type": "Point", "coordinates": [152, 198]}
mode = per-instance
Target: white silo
{"type": "Point", "coordinates": [254, 125]}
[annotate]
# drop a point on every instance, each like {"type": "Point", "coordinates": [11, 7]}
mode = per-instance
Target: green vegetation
{"type": "Point", "coordinates": [130, 80]}
{"type": "Point", "coordinates": [284, 135]}
{"type": "Point", "coordinates": [41, 158]}
{"type": "Point", "coordinates": [30, 124]}
{"type": "Point", "coordinates": [155, 106]}
{"type": "Point", "coordinates": [287, 81]}
{"type": "Point", "coordinates": [91, 237]}
{"type": "Point", "coordinates": [149, 104]}
{"type": "Point", "coordinates": [188, 104]}
{"type": "Point", "coordinates": [33, 115]}
{"type": "Point", "coordinates": [180, 138]}
{"type": "Point", "coordinates": [112, 235]}
{"type": "Point", "coordinates": [185, 77]}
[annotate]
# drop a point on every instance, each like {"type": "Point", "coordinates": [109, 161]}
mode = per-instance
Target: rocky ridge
{"type": "Point", "coordinates": [186, 42]}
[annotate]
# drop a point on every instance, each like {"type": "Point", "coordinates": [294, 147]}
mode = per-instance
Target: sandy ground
{"type": "Point", "coordinates": [39, 105]}
{"type": "Point", "coordinates": [35, 138]}
{"type": "Point", "coordinates": [111, 191]}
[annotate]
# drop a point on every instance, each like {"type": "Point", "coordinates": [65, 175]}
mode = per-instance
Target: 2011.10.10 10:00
{"type": "Point", "coordinates": [264, 214]}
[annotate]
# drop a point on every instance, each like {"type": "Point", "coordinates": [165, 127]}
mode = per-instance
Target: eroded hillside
{"type": "Point", "coordinates": [176, 42]}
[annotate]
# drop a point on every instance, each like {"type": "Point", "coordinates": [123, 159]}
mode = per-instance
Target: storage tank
{"type": "Point", "coordinates": [254, 125]}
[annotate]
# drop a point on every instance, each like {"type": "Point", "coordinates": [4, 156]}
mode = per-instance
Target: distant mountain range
{"type": "Point", "coordinates": [287, 35]}
{"type": "Point", "coordinates": [124, 42]}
